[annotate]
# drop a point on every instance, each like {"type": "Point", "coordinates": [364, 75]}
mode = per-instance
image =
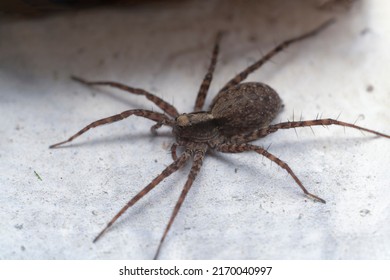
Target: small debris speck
{"type": "Point", "coordinates": [36, 174]}
{"type": "Point", "coordinates": [365, 31]}
{"type": "Point", "coordinates": [18, 226]}
{"type": "Point", "coordinates": [364, 212]}
{"type": "Point", "coordinates": [369, 88]}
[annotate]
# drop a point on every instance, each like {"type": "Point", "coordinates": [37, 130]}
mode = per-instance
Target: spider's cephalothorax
{"type": "Point", "coordinates": [240, 113]}
{"type": "Point", "coordinates": [198, 127]}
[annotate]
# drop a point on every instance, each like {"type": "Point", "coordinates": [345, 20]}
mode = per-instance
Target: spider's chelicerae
{"type": "Point", "coordinates": [239, 114]}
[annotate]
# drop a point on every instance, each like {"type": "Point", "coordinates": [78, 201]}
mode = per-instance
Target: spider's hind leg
{"type": "Point", "coordinates": [260, 133]}
{"type": "Point", "coordinates": [239, 148]}
{"type": "Point", "coordinates": [244, 74]}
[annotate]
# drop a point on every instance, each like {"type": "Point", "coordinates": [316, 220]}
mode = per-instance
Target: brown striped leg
{"type": "Point", "coordinates": [244, 74]}
{"type": "Point", "coordinates": [286, 125]}
{"type": "Point", "coordinates": [198, 160]}
{"type": "Point", "coordinates": [173, 167]}
{"type": "Point", "coordinates": [209, 76]}
{"type": "Point", "coordinates": [165, 106]}
{"type": "Point", "coordinates": [239, 148]}
{"type": "Point", "coordinates": [158, 117]}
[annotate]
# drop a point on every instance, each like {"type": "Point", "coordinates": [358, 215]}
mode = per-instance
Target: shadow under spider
{"type": "Point", "coordinates": [239, 114]}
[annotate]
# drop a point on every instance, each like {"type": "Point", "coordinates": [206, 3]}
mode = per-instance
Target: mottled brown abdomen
{"type": "Point", "coordinates": [245, 107]}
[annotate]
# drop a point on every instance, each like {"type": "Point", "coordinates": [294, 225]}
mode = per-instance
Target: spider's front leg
{"type": "Point", "coordinates": [239, 148]}
{"type": "Point", "coordinates": [204, 87]}
{"type": "Point", "coordinates": [162, 104]}
{"type": "Point", "coordinates": [157, 117]}
{"type": "Point", "coordinates": [172, 168]}
{"type": "Point", "coordinates": [198, 156]}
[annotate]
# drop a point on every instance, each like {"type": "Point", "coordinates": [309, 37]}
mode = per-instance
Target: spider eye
{"type": "Point", "coordinates": [183, 120]}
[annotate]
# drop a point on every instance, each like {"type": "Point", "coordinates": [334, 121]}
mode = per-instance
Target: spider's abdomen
{"type": "Point", "coordinates": [245, 107]}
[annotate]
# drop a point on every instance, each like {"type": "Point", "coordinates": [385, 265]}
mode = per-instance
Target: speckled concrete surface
{"type": "Point", "coordinates": [241, 206]}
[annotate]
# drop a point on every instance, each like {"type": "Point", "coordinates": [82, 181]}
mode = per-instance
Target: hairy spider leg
{"type": "Point", "coordinates": [204, 88]}
{"type": "Point", "coordinates": [163, 105]}
{"type": "Point", "coordinates": [262, 132]}
{"type": "Point", "coordinates": [173, 167]}
{"type": "Point", "coordinates": [154, 116]}
{"type": "Point", "coordinates": [239, 148]}
{"type": "Point", "coordinates": [244, 74]}
{"type": "Point", "coordinates": [196, 165]}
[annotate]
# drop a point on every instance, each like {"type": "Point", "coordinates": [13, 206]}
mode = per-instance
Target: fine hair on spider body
{"type": "Point", "coordinates": [239, 114]}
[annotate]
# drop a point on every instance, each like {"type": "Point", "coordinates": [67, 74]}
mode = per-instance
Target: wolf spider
{"type": "Point", "coordinates": [239, 113]}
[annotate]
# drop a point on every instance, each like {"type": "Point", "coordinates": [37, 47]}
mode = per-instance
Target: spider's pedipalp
{"type": "Point", "coordinates": [157, 117]}
{"type": "Point", "coordinates": [162, 104]}
{"type": "Point", "coordinates": [173, 167]}
{"type": "Point", "coordinates": [173, 151]}
{"type": "Point", "coordinates": [239, 148]}
{"type": "Point", "coordinates": [154, 128]}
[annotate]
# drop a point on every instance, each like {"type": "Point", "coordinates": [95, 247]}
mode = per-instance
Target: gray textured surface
{"type": "Point", "coordinates": [256, 212]}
